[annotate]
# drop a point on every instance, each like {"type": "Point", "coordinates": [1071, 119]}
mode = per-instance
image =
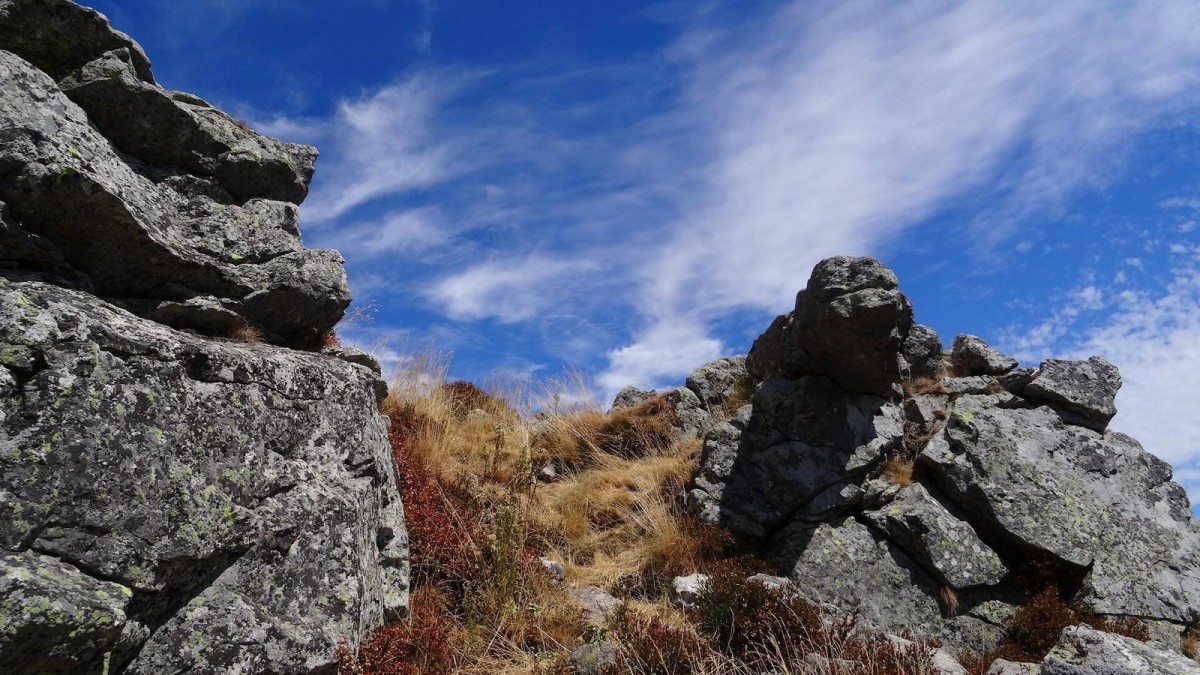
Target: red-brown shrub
{"type": "Point", "coordinates": [420, 646]}
{"type": "Point", "coordinates": [441, 544]}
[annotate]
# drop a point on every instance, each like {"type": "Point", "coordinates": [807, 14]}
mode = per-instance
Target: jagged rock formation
{"type": "Point", "coordinates": [172, 500]}
{"type": "Point", "coordinates": [1012, 473]}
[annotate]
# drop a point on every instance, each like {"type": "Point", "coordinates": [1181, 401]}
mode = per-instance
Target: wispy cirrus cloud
{"type": "Point", "coordinates": [667, 192]}
{"type": "Point", "coordinates": [836, 127]}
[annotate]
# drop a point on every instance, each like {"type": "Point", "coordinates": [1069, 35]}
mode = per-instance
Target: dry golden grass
{"type": "Point", "coordinates": [898, 471]}
{"type": "Point", "coordinates": [614, 519]}
{"type": "Point", "coordinates": [246, 334]}
{"type": "Point", "coordinates": [924, 385]}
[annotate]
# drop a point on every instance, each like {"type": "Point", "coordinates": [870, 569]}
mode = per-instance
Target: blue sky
{"type": "Point", "coordinates": [634, 188]}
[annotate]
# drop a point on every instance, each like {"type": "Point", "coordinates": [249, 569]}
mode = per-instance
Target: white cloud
{"type": "Point", "coordinates": [385, 144]}
{"type": "Point", "coordinates": [508, 290]}
{"type": "Point", "coordinates": [1153, 335]}
{"type": "Point", "coordinates": [402, 232]}
{"type": "Point", "coordinates": [833, 127]}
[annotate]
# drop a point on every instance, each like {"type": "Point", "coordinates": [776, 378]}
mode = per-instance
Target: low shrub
{"type": "Point", "coordinates": [1035, 628]}
{"type": "Point", "coordinates": [421, 645]}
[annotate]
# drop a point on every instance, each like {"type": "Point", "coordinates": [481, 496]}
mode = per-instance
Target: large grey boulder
{"type": "Point", "coordinates": [150, 199]}
{"type": "Point", "coordinates": [933, 512]}
{"type": "Point", "coordinates": [795, 451]}
{"type": "Point", "coordinates": [1085, 651]}
{"type": "Point", "coordinates": [946, 546]}
{"type": "Point", "coordinates": [1099, 504]}
{"type": "Point", "coordinates": [1084, 391]}
{"type": "Point", "coordinates": [55, 618]}
{"type": "Point", "coordinates": [235, 506]}
{"type": "Point", "coordinates": [58, 36]}
{"type": "Point", "coordinates": [719, 381]}
{"type": "Point", "coordinates": [631, 396]}
{"type": "Point", "coordinates": [849, 324]}
{"type": "Point", "coordinates": [856, 569]}
{"type": "Point", "coordinates": [972, 356]}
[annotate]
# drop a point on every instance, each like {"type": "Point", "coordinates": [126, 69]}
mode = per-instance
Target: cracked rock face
{"type": "Point", "coordinates": [1012, 469]}
{"type": "Point", "coordinates": [172, 502]}
{"type": "Point", "coordinates": [241, 496]}
{"type": "Point", "coordinates": [164, 204]}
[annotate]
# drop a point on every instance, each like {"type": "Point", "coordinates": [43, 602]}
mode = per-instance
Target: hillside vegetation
{"type": "Point", "coordinates": [484, 510]}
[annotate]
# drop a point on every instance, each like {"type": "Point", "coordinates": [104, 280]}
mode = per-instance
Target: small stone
{"type": "Point", "coordinates": [594, 658]}
{"type": "Point", "coordinates": [972, 356]}
{"type": "Point", "coordinates": [685, 591]}
{"type": "Point", "coordinates": [1085, 391]}
{"type": "Point", "coordinates": [555, 569]}
{"type": "Point", "coordinates": [596, 602]}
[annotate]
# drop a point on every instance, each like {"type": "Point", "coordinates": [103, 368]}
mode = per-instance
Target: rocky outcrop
{"type": "Point", "coordinates": [850, 324]}
{"type": "Point", "coordinates": [1084, 651]}
{"type": "Point", "coordinates": [172, 500]}
{"type": "Point", "coordinates": [154, 200]}
{"type": "Point", "coordinates": [931, 511]}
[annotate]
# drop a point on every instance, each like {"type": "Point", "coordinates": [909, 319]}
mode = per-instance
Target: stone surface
{"type": "Point", "coordinates": [631, 396]}
{"type": "Point", "coordinates": [718, 381]}
{"type": "Point", "coordinates": [55, 618]}
{"type": "Point", "coordinates": [945, 545]}
{"type": "Point", "coordinates": [1003, 667]}
{"type": "Point", "coordinates": [846, 564]}
{"type": "Point", "coordinates": [803, 437]}
{"type": "Point", "coordinates": [171, 502]}
{"type": "Point", "coordinates": [923, 353]}
{"type": "Point", "coordinates": [594, 658]}
{"type": "Point", "coordinates": [555, 569]}
{"type": "Point", "coordinates": [1011, 470]}
{"type": "Point", "coordinates": [685, 591]}
{"type": "Point", "coordinates": [1085, 651]}
{"type": "Point", "coordinates": [596, 602]}
{"type": "Point", "coordinates": [207, 249]}
{"type": "Point", "coordinates": [245, 494]}
{"type": "Point", "coordinates": [694, 418]}
{"type": "Point", "coordinates": [1085, 391]}
{"type": "Point", "coordinates": [849, 323]}
{"type": "Point", "coordinates": [972, 356]}
{"type": "Point", "coordinates": [1098, 503]}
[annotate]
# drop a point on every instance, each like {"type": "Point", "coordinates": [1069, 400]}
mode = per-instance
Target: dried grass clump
{"type": "Point", "coordinates": [1189, 642]}
{"type": "Point", "coordinates": [898, 470]}
{"type": "Point", "coordinates": [924, 385]}
{"type": "Point", "coordinates": [247, 334]}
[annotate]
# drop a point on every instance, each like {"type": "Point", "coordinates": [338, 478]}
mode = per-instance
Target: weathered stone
{"type": "Point", "coordinates": [923, 353]}
{"type": "Point", "coordinates": [846, 564]}
{"type": "Point", "coordinates": [1098, 503]}
{"type": "Point", "coordinates": [631, 396]}
{"type": "Point", "coordinates": [946, 546]}
{"type": "Point", "coordinates": [597, 603]}
{"type": "Point", "coordinates": [972, 356]}
{"type": "Point", "coordinates": [1085, 651]}
{"type": "Point", "coordinates": [941, 663]}
{"type": "Point", "coordinates": [555, 569]}
{"type": "Point", "coordinates": [804, 436]}
{"type": "Point", "coordinates": [176, 249]}
{"type": "Point", "coordinates": [716, 382]}
{"type": "Point", "coordinates": [1085, 391]}
{"type": "Point", "coordinates": [144, 121]}
{"type": "Point", "coordinates": [59, 36]}
{"type": "Point", "coordinates": [685, 591]}
{"type": "Point", "coordinates": [244, 493]}
{"type": "Point", "coordinates": [1003, 667]}
{"type": "Point", "coordinates": [849, 323]}
{"type": "Point", "coordinates": [694, 418]}
{"type": "Point", "coordinates": [55, 618]}
{"type": "Point", "coordinates": [594, 658]}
